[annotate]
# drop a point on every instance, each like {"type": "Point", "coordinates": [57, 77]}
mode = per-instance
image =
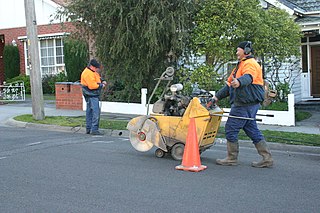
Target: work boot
{"type": "Point", "coordinates": [232, 155]}
{"type": "Point", "coordinates": [263, 150]}
{"type": "Point", "coordinates": [96, 133]}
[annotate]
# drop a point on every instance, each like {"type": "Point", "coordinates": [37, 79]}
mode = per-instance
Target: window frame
{"type": "Point", "coordinates": [57, 67]}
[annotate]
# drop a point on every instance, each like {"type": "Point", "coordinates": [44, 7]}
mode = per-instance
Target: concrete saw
{"type": "Point", "coordinates": [144, 133]}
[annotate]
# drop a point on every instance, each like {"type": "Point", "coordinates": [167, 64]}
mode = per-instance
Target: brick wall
{"type": "Point", "coordinates": [68, 95]}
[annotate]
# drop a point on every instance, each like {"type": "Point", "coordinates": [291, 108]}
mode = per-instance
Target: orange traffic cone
{"type": "Point", "coordinates": [191, 157]}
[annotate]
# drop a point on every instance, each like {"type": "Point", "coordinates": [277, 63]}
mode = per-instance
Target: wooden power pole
{"type": "Point", "coordinates": [33, 50]}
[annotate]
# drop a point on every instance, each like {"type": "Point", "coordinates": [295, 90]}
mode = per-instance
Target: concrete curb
{"type": "Point", "coordinates": [294, 148]}
{"type": "Point", "coordinates": [125, 133]}
{"type": "Point", "coordinates": [77, 129]}
{"type": "Point", "coordinates": [12, 122]}
{"type": "Point", "coordinates": [276, 146]}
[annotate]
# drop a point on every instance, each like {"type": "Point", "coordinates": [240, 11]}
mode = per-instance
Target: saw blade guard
{"type": "Point", "coordinates": [145, 133]}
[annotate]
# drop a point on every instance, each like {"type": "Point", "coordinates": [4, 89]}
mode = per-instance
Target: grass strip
{"type": "Point", "coordinates": [73, 121]}
{"type": "Point", "coordinates": [295, 138]}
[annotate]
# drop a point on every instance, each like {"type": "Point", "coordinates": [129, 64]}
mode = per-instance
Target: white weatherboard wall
{"type": "Point", "coordinates": [281, 118]}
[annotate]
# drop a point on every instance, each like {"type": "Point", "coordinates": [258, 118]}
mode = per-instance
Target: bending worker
{"type": "Point", "coordinates": [91, 88]}
{"type": "Point", "coordinates": [245, 88]}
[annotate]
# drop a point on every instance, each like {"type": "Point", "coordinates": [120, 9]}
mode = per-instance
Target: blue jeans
{"type": "Point", "coordinates": [234, 125]}
{"type": "Point", "coordinates": [92, 114]}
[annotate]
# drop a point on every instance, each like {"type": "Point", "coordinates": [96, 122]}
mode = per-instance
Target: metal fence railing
{"type": "Point", "coordinates": [14, 91]}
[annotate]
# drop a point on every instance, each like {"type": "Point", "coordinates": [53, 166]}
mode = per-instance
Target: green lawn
{"type": "Point", "coordinates": [73, 121]}
{"type": "Point", "coordinates": [45, 96]}
{"type": "Point", "coordinates": [282, 137]}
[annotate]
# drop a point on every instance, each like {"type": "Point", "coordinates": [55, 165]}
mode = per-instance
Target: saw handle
{"type": "Point", "coordinates": [267, 115]}
{"type": "Point", "coordinates": [231, 116]}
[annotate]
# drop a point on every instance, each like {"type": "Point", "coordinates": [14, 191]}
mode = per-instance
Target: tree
{"type": "Point", "coordinates": [135, 39]}
{"type": "Point", "coordinates": [277, 44]}
{"type": "Point", "coordinates": [277, 36]}
{"type": "Point", "coordinates": [221, 25]}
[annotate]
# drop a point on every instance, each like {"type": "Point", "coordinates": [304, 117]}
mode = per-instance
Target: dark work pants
{"type": "Point", "coordinates": [234, 125]}
{"type": "Point", "coordinates": [92, 113]}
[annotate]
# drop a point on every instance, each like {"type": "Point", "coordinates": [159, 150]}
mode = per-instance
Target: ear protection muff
{"type": "Point", "coordinates": [248, 48]}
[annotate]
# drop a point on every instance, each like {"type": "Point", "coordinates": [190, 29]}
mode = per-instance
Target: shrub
{"type": "Point", "coordinates": [76, 58]}
{"type": "Point", "coordinates": [277, 105]}
{"type": "Point", "coordinates": [11, 59]}
{"type": "Point", "coordinates": [205, 76]}
{"type": "Point", "coordinates": [25, 79]}
{"type": "Point", "coordinates": [49, 81]}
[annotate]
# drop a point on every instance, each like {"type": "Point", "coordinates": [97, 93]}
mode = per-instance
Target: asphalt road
{"type": "Point", "coordinates": [47, 171]}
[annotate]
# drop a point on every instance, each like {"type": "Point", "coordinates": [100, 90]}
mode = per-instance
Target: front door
{"type": "Point", "coordinates": [315, 71]}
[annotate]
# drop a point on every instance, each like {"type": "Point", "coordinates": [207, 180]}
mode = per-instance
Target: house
{"type": "Point", "coordinates": [50, 34]}
{"type": "Point", "coordinates": [307, 14]}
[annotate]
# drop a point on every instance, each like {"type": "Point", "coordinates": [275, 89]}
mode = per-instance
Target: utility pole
{"type": "Point", "coordinates": [33, 50]}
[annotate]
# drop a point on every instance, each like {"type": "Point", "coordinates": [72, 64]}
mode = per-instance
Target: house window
{"type": "Point", "coordinates": [314, 38]}
{"type": "Point", "coordinates": [51, 56]}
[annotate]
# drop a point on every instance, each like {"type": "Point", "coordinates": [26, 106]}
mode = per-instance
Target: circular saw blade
{"type": "Point", "coordinates": [138, 144]}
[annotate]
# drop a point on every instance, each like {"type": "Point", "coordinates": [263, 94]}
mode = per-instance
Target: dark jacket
{"type": "Point", "coordinates": [90, 92]}
{"type": "Point", "coordinates": [250, 92]}
{"type": "Point", "coordinates": [91, 83]}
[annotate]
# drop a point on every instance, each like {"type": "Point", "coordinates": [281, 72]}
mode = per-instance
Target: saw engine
{"type": "Point", "coordinates": [172, 105]}
{"type": "Point", "coordinates": [175, 104]}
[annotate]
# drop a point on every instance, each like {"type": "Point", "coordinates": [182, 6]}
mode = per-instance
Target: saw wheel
{"type": "Point", "coordinates": [145, 133]}
{"type": "Point", "coordinates": [139, 141]}
{"type": "Point", "coordinates": [177, 151]}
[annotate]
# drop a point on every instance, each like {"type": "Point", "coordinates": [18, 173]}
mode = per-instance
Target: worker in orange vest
{"type": "Point", "coordinates": [91, 87]}
{"type": "Point", "coordinates": [245, 89]}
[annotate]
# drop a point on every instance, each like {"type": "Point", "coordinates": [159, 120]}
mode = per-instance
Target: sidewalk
{"type": "Point", "coordinates": [10, 110]}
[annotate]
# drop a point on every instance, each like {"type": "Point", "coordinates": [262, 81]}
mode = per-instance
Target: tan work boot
{"type": "Point", "coordinates": [232, 155]}
{"type": "Point", "coordinates": [263, 150]}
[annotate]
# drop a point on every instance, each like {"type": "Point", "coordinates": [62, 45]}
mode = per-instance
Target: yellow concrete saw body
{"type": "Point", "coordinates": [169, 133]}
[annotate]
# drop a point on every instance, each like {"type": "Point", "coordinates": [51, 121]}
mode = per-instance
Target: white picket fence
{"type": "Point", "coordinates": [281, 118]}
